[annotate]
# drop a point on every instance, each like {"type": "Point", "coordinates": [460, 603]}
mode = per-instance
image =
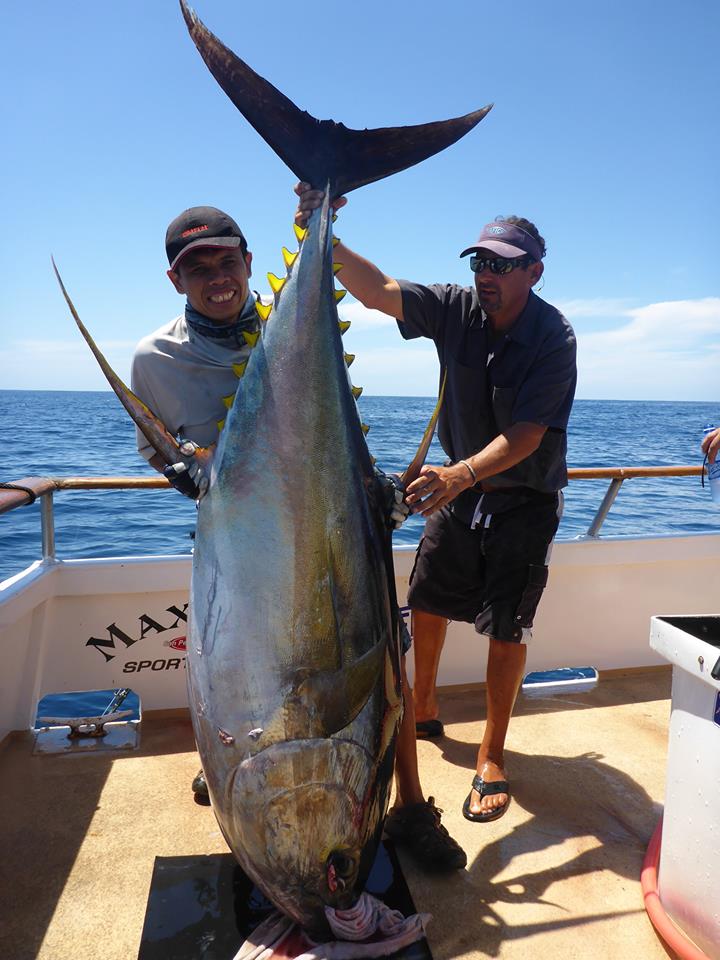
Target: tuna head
{"type": "Point", "coordinates": [308, 814]}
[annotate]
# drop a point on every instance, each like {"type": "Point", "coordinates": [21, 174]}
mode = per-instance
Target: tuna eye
{"type": "Point", "coordinates": [343, 864]}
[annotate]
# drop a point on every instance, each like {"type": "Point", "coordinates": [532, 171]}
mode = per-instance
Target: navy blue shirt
{"type": "Point", "coordinates": [527, 375]}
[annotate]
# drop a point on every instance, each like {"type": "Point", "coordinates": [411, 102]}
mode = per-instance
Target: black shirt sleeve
{"type": "Point", "coordinates": [424, 309]}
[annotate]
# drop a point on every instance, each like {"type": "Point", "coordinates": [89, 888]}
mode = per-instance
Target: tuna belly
{"type": "Point", "coordinates": [306, 817]}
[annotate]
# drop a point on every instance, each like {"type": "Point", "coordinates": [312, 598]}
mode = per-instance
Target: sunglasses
{"type": "Point", "coordinates": [498, 265]}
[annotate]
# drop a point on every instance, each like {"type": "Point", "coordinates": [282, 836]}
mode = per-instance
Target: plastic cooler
{"type": "Point", "coordinates": [689, 872]}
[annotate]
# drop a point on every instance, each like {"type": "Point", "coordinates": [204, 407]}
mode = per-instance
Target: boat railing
{"type": "Point", "coordinates": [26, 491]}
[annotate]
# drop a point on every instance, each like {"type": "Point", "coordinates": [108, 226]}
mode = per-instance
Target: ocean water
{"type": "Point", "coordinates": [47, 433]}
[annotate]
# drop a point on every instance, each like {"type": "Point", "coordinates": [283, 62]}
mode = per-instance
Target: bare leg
{"type": "Point", "coordinates": [428, 632]}
{"type": "Point", "coordinates": [407, 777]}
{"type": "Point", "coordinates": [506, 665]}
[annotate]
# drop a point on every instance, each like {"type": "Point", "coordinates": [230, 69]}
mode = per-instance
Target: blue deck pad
{"type": "Point", "coordinates": [560, 674]}
{"type": "Point", "coordinates": [84, 703]}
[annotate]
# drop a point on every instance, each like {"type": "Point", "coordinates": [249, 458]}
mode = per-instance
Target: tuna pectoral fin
{"type": "Point", "coordinates": [334, 699]}
{"type": "Point", "coordinates": [413, 470]}
{"type": "Point", "coordinates": [152, 428]}
{"type": "Point", "coordinates": [322, 703]}
{"type": "Point", "coordinates": [317, 151]}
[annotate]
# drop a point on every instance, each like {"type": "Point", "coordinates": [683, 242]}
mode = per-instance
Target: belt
{"type": "Point", "coordinates": [531, 492]}
{"type": "Point", "coordinates": [490, 488]}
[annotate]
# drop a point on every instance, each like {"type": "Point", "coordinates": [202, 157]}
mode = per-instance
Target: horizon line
{"type": "Point", "coordinates": [391, 396]}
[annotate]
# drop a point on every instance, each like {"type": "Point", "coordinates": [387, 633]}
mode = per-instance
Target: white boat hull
{"type": "Point", "coordinates": [110, 623]}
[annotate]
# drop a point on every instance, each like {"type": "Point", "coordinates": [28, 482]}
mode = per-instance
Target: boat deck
{"type": "Point", "coordinates": [557, 876]}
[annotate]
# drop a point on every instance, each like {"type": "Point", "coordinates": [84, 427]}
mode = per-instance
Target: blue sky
{"type": "Point", "coordinates": [604, 133]}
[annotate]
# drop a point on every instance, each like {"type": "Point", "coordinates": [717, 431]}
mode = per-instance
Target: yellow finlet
{"type": "Point", "coordinates": [356, 392]}
{"type": "Point", "coordinates": [239, 368]}
{"type": "Point", "coordinates": [220, 424]}
{"type": "Point", "coordinates": [339, 294]}
{"type": "Point", "coordinates": [228, 401]}
{"type": "Point", "coordinates": [300, 232]}
{"type": "Point", "coordinates": [334, 217]}
{"type": "Point", "coordinates": [288, 257]}
{"type": "Point", "coordinates": [276, 283]}
{"type": "Point", "coordinates": [344, 325]}
{"type": "Point", "coordinates": [373, 460]}
{"type": "Point", "coordinates": [349, 357]}
{"type": "Point", "coordinates": [251, 338]}
{"type": "Point", "coordinates": [337, 267]}
{"type": "Point", "coordinates": [335, 241]}
{"type": "Point", "coordinates": [263, 310]}
{"type": "Point", "coordinates": [365, 428]}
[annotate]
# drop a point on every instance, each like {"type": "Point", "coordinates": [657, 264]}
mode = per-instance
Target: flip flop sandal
{"type": "Point", "coordinates": [429, 729]}
{"type": "Point", "coordinates": [486, 790]}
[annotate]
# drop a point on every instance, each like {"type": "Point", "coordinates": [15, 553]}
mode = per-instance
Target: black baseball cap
{"type": "Point", "coordinates": [201, 227]}
{"type": "Point", "coordinates": [506, 240]}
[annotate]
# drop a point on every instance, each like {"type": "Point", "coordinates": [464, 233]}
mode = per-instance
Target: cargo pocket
{"type": "Point", "coordinates": [415, 561]}
{"type": "Point", "coordinates": [537, 579]}
{"type": "Point", "coordinates": [496, 621]}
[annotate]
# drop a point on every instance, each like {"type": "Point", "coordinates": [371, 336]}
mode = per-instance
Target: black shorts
{"type": "Point", "coordinates": [493, 575]}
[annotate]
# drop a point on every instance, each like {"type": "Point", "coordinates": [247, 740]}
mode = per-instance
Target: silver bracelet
{"type": "Point", "coordinates": [472, 472]}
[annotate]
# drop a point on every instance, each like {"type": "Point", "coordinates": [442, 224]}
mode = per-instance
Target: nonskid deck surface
{"type": "Point", "coordinates": [557, 876]}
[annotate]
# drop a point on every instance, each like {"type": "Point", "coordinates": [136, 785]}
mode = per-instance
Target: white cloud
{"type": "Point", "coordinates": [352, 310]}
{"type": "Point", "coordinates": [600, 307]}
{"type": "Point", "coordinates": [665, 351]}
{"type": "Point", "coordinates": [362, 318]}
{"type": "Point", "coordinates": [61, 364]}
{"type": "Point", "coordinates": [659, 351]}
{"type": "Point", "coordinates": [402, 371]}
{"type": "Point", "coordinates": [35, 347]}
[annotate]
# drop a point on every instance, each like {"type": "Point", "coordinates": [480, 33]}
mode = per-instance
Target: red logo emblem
{"type": "Point", "coordinates": [178, 643]}
{"type": "Point", "coordinates": [192, 230]}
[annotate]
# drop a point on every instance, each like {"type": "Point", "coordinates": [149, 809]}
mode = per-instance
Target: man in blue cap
{"type": "Point", "coordinates": [493, 508]}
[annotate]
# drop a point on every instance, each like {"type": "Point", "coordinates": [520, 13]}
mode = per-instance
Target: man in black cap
{"type": "Point", "coordinates": [187, 369]}
{"type": "Point", "coordinates": [493, 508]}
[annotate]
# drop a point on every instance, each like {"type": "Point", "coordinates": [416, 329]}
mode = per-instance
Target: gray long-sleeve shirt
{"type": "Point", "coordinates": [183, 377]}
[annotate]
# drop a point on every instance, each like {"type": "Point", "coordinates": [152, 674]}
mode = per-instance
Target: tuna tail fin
{"type": "Point", "coordinates": [413, 470]}
{"type": "Point", "coordinates": [152, 428]}
{"type": "Point", "coordinates": [321, 150]}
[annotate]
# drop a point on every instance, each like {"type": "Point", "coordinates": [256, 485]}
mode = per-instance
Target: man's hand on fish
{"type": "Point", "coordinates": [436, 487]}
{"type": "Point", "coordinates": [310, 200]}
{"type": "Point", "coordinates": [396, 510]}
{"type": "Point", "coordinates": [187, 475]}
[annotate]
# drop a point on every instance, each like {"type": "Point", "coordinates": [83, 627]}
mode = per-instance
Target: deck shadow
{"type": "Point", "coordinates": [598, 814]}
{"type": "Point", "coordinates": [47, 805]}
{"type": "Point", "coordinates": [578, 826]}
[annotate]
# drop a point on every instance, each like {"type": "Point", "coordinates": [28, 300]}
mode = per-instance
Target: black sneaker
{"type": "Point", "coordinates": [200, 789]}
{"type": "Point", "coordinates": [417, 828]}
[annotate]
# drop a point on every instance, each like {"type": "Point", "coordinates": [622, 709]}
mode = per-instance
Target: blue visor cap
{"type": "Point", "coordinates": [506, 240]}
